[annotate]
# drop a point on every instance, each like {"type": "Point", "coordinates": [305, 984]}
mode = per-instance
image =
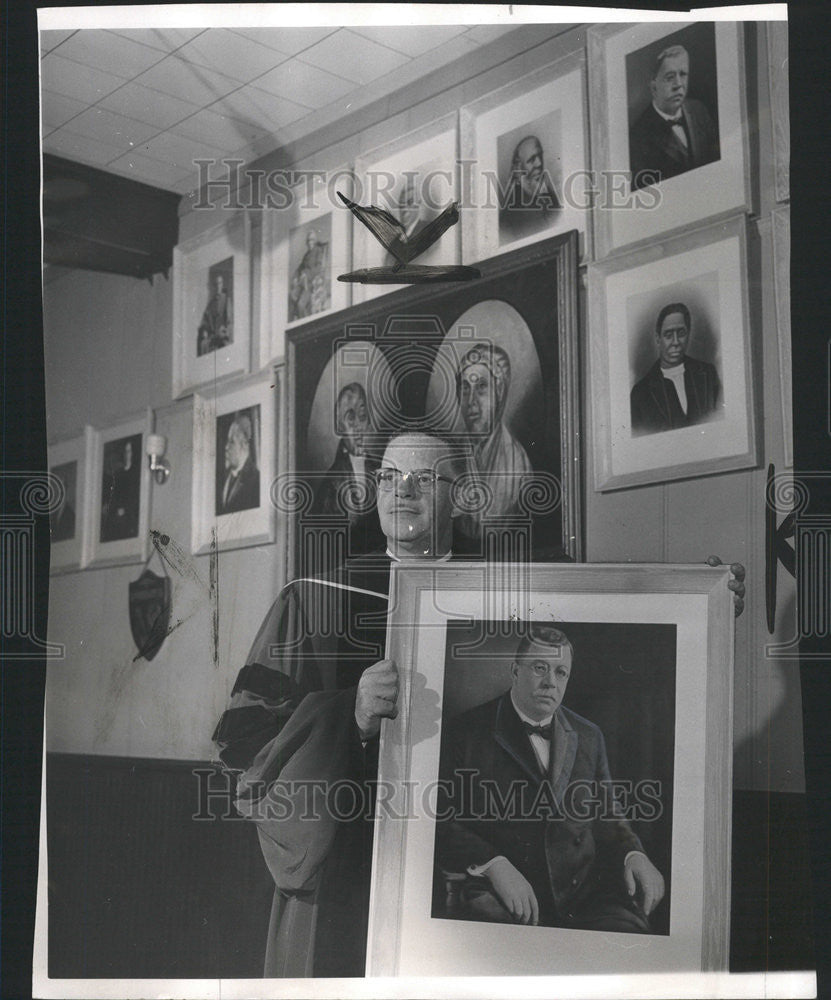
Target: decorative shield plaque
{"type": "Point", "coordinates": [149, 612]}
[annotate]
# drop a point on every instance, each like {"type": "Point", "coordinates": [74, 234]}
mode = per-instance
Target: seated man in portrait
{"type": "Point", "coordinates": [240, 487]}
{"type": "Point", "coordinates": [532, 825]}
{"type": "Point", "coordinates": [675, 133]}
{"type": "Point", "coordinates": [678, 390]}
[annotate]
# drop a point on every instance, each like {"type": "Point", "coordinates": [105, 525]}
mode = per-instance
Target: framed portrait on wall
{"type": "Point", "coordinates": [628, 669]}
{"type": "Point", "coordinates": [234, 463]}
{"type": "Point", "coordinates": [415, 178]}
{"type": "Point", "coordinates": [524, 161]}
{"type": "Point", "coordinates": [671, 360]}
{"type": "Point", "coordinates": [306, 245]}
{"type": "Point", "coordinates": [669, 127]}
{"type": "Point", "coordinates": [781, 225]}
{"type": "Point", "coordinates": [211, 305]}
{"type": "Point", "coordinates": [70, 465]}
{"type": "Point", "coordinates": [411, 361]}
{"type": "Point", "coordinates": [118, 516]}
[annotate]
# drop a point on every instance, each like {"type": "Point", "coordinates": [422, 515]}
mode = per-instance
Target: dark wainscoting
{"type": "Point", "coordinates": [140, 888]}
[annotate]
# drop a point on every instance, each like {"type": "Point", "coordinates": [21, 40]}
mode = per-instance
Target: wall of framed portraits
{"type": "Point", "coordinates": [206, 350]}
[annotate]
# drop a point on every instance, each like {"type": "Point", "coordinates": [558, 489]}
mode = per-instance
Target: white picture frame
{"type": "Point", "coordinates": [70, 468]}
{"type": "Point", "coordinates": [548, 104]}
{"type": "Point", "coordinates": [227, 515]}
{"type": "Point", "coordinates": [620, 56]}
{"type": "Point", "coordinates": [405, 935]}
{"type": "Point", "coordinates": [422, 167]}
{"type": "Point", "coordinates": [706, 270]}
{"type": "Point", "coordinates": [205, 314]}
{"type": "Point", "coordinates": [117, 532]}
{"type": "Point", "coordinates": [780, 219]}
{"type": "Point", "coordinates": [289, 291]}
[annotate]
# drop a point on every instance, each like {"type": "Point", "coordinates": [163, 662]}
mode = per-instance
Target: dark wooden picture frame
{"type": "Point", "coordinates": [402, 348]}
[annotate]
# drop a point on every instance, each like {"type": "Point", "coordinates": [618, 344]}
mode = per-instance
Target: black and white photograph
{"type": "Point", "coordinates": [669, 127]}
{"type": "Point", "coordinates": [525, 159]}
{"type": "Point", "coordinates": [566, 806]}
{"type": "Point", "coordinates": [211, 302]}
{"type": "Point", "coordinates": [671, 360]}
{"type": "Point", "coordinates": [583, 713]}
{"type": "Point", "coordinates": [672, 88]}
{"type": "Point", "coordinates": [416, 630]}
{"type": "Point", "coordinates": [234, 464]}
{"type": "Point", "coordinates": [237, 471]}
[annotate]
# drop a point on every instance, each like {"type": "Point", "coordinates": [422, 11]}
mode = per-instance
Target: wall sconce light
{"type": "Point", "coordinates": [156, 447]}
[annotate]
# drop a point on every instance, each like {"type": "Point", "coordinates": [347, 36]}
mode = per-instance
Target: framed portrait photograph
{"type": "Point", "coordinates": [490, 365]}
{"type": "Point", "coordinates": [669, 127]}
{"type": "Point", "coordinates": [777, 38]}
{"type": "Point", "coordinates": [671, 360]}
{"type": "Point", "coordinates": [70, 464]}
{"type": "Point", "coordinates": [415, 178]}
{"type": "Point", "coordinates": [562, 755]}
{"type": "Point", "coordinates": [118, 516]}
{"type": "Point", "coordinates": [524, 162]}
{"type": "Point", "coordinates": [306, 245]}
{"type": "Point", "coordinates": [211, 305]}
{"type": "Point", "coordinates": [234, 464]}
{"type": "Point", "coordinates": [781, 229]}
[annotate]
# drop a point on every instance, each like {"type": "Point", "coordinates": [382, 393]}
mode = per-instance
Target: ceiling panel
{"type": "Point", "coordinates": [235, 55]}
{"type": "Point", "coordinates": [289, 41]}
{"type": "Point", "coordinates": [50, 39]}
{"type": "Point", "coordinates": [147, 105]}
{"type": "Point", "coordinates": [83, 83]}
{"type": "Point", "coordinates": [82, 148]}
{"type": "Point", "coordinates": [355, 57]}
{"type": "Point", "coordinates": [150, 171]}
{"type": "Point", "coordinates": [57, 109]}
{"type": "Point", "coordinates": [186, 81]}
{"type": "Point", "coordinates": [111, 53]}
{"type": "Point", "coordinates": [220, 130]}
{"type": "Point", "coordinates": [164, 39]}
{"type": "Point", "coordinates": [411, 43]}
{"type": "Point", "coordinates": [178, 150]}
{"type": "Point", "coordinates": [109, 127]}
{"type": "Point", "coordinates": [258, 106]}
{"type": "Point", "coordinates": [312, 87]}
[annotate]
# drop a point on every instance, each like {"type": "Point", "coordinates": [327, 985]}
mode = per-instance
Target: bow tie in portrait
{"type": "Point", "coordinates": [532, 730]}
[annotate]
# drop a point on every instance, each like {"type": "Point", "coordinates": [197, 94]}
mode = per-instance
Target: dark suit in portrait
{"type": "Point", "coordinates": [343, 495]}
{"type": "Point", "coordinates": [657, 152]}
{"type": "Point", "coordinates": [240, 490]}
{"type": "Point", "coordinates": [574, 865]}
{"type": "Point", "coordinates": [655, 405]}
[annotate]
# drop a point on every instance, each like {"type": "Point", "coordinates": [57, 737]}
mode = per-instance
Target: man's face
{"type": "Point", "coordinates": [672, 340]}
{"type": "Point", "coordinates": [669, 88]}
{"type": "Point", "coordinates": [530, 163]}
{"type": "Point", "coordinates": [353, 421]}
{"type": "Point", "coordinates": [540, 677]}
{"type": "Point", "coordinates": [234, 450]}
{"type": "Point", "coordinates": [416, 521]}
{"type": "Point", "coordinates": [478, 399]}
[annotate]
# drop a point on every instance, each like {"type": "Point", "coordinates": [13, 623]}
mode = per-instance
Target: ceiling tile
{"type": "Point", "coordinates": [143, 168]}
{"type": "Point", "coordinates": [51, 38]}
{"type": "Point", "coordinates": [240, 58]}
{"type": "Point", "coordinates": [74, 80]}
{"type": "Point", "coordinates": [260, 108]}
{"type": "Point", "coordinates": [219, 130]}
{"type": "Point", "coordinates": [110, 52]}
{"type": "Point", "coordinates": [164, 39]}
{"type": "Point", "coordinates": [186, 81]}
{"type": "Point", "coordinates": [357, 58]}
{"type": "Point", "coordinates": [79, 147]}
{"type": "Point", "coordinates": [57, 109]}
{"type": "Point", "coordinates": [484, 33]}
{"type": "Point", "coordinates": [147, 105]}
{"type": "Point", "coordinates": [109, 127]}
{"type": "Point", "coordinates": [289, 41]}
{"type": "Point", "coordinates": [412, 40]}
{"type": "Point", "coordinates": [180, 151]}
{"type": "Point", "coordinates": [312, 86]}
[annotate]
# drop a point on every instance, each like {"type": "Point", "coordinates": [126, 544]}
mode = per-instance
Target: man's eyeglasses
{"type": "Point", "coordinates": [424, 479]}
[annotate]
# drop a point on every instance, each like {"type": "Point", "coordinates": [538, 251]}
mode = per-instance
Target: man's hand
{"type": "Point", "coordinates": [514, 890]}
{"type": "Point", "coordinates": [640, 874]}
{"type": "Point", "coordinates": [377, 697]}
{"type": "Point", "coordinates": [736, 584]}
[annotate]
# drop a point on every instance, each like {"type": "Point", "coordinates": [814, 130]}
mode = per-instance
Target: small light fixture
{"type": "Point", "coordinates": [156, 447]}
